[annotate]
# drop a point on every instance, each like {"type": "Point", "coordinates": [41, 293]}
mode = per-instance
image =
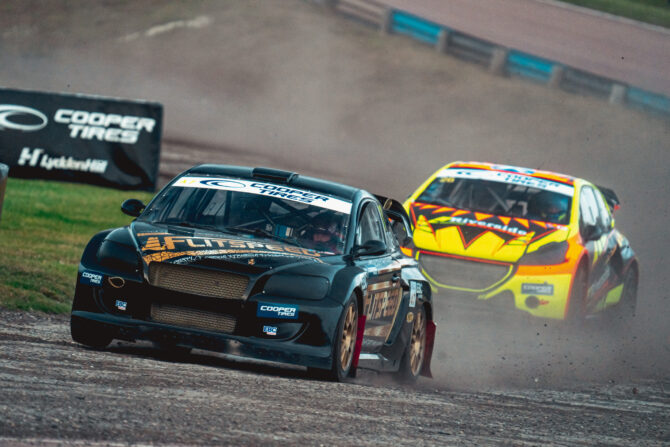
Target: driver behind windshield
{"type": "Point", "coordinates": [325, 235]}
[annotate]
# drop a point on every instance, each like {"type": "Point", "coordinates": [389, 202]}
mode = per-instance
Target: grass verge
{"type": "Point", "coordinates": [656, 12]}
{"type": "Point", "coordinates": [44, 229]}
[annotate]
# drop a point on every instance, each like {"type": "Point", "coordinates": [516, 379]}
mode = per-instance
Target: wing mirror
{"type": "Point", "coordinates": [132, 207]}
{"type": "Point", "coordinates": [370, 248]}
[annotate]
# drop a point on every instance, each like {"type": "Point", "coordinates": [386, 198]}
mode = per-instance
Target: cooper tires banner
{"type": "Point", "coordinates": [101, 141]}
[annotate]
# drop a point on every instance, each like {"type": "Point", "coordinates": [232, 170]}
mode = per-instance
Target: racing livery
{"type": "Point", "coordinates": [261, 263]}
{"type": "Point", "coordinates": [523, 239]}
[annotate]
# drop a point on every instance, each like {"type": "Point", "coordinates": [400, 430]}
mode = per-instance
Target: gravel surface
{"type": "Point", "coordinates": [55, 392]}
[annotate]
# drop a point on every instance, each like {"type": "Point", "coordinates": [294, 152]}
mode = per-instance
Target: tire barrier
{"type": "Point", "coordinates": [4, 173]}
{"type": "Point", "coordinates": [498, 59]}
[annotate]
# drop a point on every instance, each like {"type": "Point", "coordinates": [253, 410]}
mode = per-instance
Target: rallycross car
{"type": "Point", "coordinates": [523, 239]}
{"type": "Point", "coordinates": [261, 263]}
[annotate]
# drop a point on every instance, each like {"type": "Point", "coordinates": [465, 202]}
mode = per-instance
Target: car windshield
{"type": "Point", "coordinates": [254, 210]}
{"type": "Point", "coordinates": [499, 198]}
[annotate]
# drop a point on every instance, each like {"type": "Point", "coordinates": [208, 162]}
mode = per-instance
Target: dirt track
{"type": "Point", "coordinates": [289, 85]}
{"type": "Point", "coordinates": [54, 392]}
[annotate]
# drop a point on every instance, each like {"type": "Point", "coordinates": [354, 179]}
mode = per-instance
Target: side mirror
{"type": "Point", "coordinates": [590, 233]}
{"type": "Point", "coordinates": [370, 248]}
{"type": "Point", "coordinates": [132, 207]}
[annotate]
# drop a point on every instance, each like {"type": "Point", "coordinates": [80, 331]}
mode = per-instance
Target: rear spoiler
{"type": "Point", "coordinates": [610, 197]}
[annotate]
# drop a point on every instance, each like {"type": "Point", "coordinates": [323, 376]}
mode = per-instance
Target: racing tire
{"type": "Point", "coordinates": [344, 345]}
{"type": "Point", "coordinates": [577, 302]}
{"type": "Point", "coordinates": [412, 360]}
{"type": "Point", "coordinates": [622, 314]}
{"type": "Point", "coordinates": [90, 334]}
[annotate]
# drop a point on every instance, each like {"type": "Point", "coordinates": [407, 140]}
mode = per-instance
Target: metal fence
{"type": "Point", "coordinates": [499, 59]}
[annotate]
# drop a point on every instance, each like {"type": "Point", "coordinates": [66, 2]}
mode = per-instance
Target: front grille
{"type": "Point", "coordinates": [192, 318]}
{"type": "Point", "coordinates": [198, 281]}
{"type": "Point", "coordinates": [463, 274]}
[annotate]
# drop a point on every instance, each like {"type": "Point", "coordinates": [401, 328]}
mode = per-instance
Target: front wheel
{"type": "Point", "coordinates": [89, 333]}
{"type": "Point", "coordinates": [344, 345]}
{"type": "Point", "coordinates": [411, 363]}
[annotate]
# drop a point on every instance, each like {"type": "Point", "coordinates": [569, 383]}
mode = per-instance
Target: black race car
{"type": "Point", "coordinates": [261, 263]}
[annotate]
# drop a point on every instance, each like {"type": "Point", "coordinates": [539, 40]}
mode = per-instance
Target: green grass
{"type": "Point", "coordinates": [43, 231]}
{"type": "Point", "coordinates": [656, 12]}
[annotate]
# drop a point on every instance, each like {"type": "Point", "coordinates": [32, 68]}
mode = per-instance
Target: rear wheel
{"type": "Point", "coordinates": [577, 302]}
{"type": "Point", "coordinates": [90, 334]}
{"type": "Point", "coordinates": [624, 311]}
{"type": "Point", "coordinates": [411, 363]}
{"type": "Point", "coordinates": [344, 345]}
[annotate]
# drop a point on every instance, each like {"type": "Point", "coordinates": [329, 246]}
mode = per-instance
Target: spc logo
{"type": "Point", "coordinates": [21, 118]}
{"type": "Point", "coordinates": [269, 310]}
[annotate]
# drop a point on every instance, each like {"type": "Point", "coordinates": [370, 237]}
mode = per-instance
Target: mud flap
{"type": "Point", "coordinates": [359, 345]}
{"type": "Point", "coordinates": [428, 355]}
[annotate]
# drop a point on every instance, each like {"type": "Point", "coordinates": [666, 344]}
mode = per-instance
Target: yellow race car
{"type": "Point", "coordinates": [523, 239]}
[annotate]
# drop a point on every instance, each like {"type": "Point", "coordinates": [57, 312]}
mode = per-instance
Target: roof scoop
{"type": "Point", "coordinates": [274, 175]}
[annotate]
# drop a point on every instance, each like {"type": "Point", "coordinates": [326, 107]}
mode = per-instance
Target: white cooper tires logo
{"type": "Point", "coordinates": [9, 118]}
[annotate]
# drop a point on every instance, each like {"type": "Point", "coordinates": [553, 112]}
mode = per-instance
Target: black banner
{"type": "Point", "coordinates": [78, 138]}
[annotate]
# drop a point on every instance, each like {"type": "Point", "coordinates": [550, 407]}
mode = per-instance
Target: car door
{"type": "Point", "coordinates": [596, 230]}
{"type": "Point", "coordinates": [383, 292]}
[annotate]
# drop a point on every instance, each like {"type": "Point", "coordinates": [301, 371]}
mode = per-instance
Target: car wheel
{"type": "Point", "coordinates": [90, 334]}
{"type": "Point", "coordinates": [344, 345]}
{"type": "Point", "coordinates": [577, 301]}
{"type": "Point", "coordinates": [411, 363]}
{"type": "Point", "coordinates": [624, 311]}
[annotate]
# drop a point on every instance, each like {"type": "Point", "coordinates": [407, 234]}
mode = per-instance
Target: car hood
{"type": "Point", "coordinates": [472, 234]}
{"type": "Point", "coordinates": [183, 245]}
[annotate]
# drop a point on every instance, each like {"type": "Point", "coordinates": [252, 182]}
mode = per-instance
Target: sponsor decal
{"type": "Point", "coordinates": [267, 189]}
{"type": "Point", "coordinates": [520, 179]}
{"type": "Point", "coordinates": [413, 286]}
{"type": "Point", "coordinates": [410, 317]}
{"type": "Point", "coordinates": [39, 158]}
{"type": "Point", "coordinates": [24, 119]}
{"type": "Point", "coordinates": [121, 305]}
{"type": "Point", "coordinates": [382, 304]}
{"type": "Point", "coordinates": [109, 127]}
{"type": "Point", "coordinates": [458, 220]}
{"type": "Point", "coordinates": [270, 330]}
{"type": "Point", "coordinates": [91, 278]}
{"type": "Point", "coordinates": [537, 289]}
{"type": "Point", "coordinates": [270, 310]}
{"type": "Point", "coordinates": [165, 247]}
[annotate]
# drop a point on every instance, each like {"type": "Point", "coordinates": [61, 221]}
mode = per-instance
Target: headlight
{"type": "Point", "coordinates": [297, 286]}
{"type": "Point", "coordinates": [550, 254]}
{"type": "Point", "coordinates": [118, 257]}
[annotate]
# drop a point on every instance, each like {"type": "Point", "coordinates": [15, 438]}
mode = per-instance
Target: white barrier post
{"type": "Point", "coordinates": [498, 61]}
{"type": "Point", "coordinates": [618, 94]}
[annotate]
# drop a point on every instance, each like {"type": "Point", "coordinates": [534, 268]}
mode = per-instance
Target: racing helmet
{"type": "Point", "coordinates": [549, 207]}
{"type": "Point", "coordinates": [325, 233]}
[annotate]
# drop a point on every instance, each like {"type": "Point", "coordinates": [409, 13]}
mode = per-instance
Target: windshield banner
{"type": "Point", "coordinates": [509, 177]}
{"type": "Point", "coordinates": [266, 189]}
{"type": "Point", "coordinates": [77, 138]}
